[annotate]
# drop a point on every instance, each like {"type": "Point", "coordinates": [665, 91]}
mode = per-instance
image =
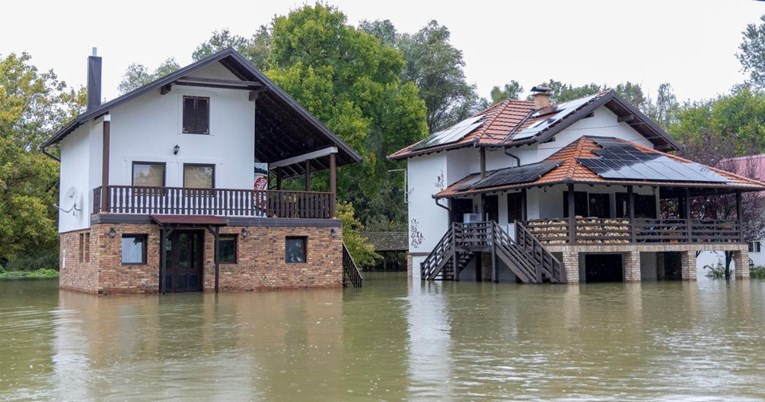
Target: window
{"type": "Point", "coordinates": [196, 115]}
{"type": "Point", "coordinates": [198, 176]}
{"type": "Point", "coordinates": [82, 245]}
{"type": "Point", "coordinates": [148, 174]}
{"type": "Point", "coordinates": [227, 249]}
{"type": "Point", "coordinates": [87, 247]}
{"type": "Point", "coordinates": [295, 250]}
{"type": "Point", "coordinates": [580, 204]}
{"type": "Point", "coordinates": [754, 247]}
{"type": "Point", "coordinates": [133, 249]}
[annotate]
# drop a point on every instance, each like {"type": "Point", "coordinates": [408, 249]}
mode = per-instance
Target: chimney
{"type": "Point", "coordinates": [541, 95]}
{"type": "Point", "coordinates": [94, 80]}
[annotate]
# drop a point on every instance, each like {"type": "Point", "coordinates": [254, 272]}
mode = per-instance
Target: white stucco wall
{"type": "Point", "coordinates": [147, 129]}
{"type": "Point", "coordinates": [75, 164]}
{"type": "Point", "coordinates": [427, 222]}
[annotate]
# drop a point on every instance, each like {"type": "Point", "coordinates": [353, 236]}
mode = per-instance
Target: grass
{"type": "Point", "coordinates": [42, 273]}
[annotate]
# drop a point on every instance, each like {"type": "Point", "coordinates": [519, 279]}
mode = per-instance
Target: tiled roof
{"type": "Point", "coordinates": [505, 121]}
{"type": "Point", "coordinates": [571, 171]}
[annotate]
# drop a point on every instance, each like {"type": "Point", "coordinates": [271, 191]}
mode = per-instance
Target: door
{"type": "Point", "coordinates": [491, 208]}
{"type": "Point", "coordinates": [458, 208]}
{"type": "Point", "coordinates": [184, 261]}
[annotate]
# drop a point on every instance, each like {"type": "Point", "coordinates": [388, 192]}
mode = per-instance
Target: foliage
{"type": "Point", "coordinates": [138, 75]}
{"type": "Point", "coordinates": [362, 251]}
{"type": "Point", "coordinates": [42, 273]}
{"type": "Point", "coordinates": [256, 48]}
{"type": "Point", "coordinates": [664, 110]}
{"type": "Point", "coordinates": [508, 91]}
{"type": "Point", "coordinates": [351, 82]}
{"type": "Point", "coordinates": [757, 272]}
{"type": "Point", "coordinates": [738, 116]}
{"type": "Point", "coordinates": [32, 106]}
{"type": "Point", "coordinates": [32, 261]}
{"type": "Point", "coordinates": [752, 55]}
{"type": "Point", "coordinates": [716, 271]}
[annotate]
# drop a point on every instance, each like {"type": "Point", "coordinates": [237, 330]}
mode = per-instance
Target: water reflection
{"type": "Point", "coordinates": [392, 340]}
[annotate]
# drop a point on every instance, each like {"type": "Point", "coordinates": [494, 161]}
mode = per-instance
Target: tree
{"type": "Point", "coordinates": [664, 110]}
{"type": "Point", "coordinates": [256, 49]}
{"type": "Point", "coordinates": [138, 75]}
{"type": "Point", "coordinates": [351, 82]}
{"type": "Point", "coordinates": [752, 55]}
{"type": "Point", "coordinates": [632, 93]}
{"type": "Point", "coordinates": [715, 149]}
{"type": "Point", "coordinates": [508, 91]}
{"type": "Point", "coordinates": [362, 251]}
{"type": "Point", "coordinates": [436, 67]}
{"type": "Point", "coordinates": [32, 106]}
{"type": "Point", "coordinates": [738, 115]}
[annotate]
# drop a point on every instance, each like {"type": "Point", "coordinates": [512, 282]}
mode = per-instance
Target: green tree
{"type": "Point", "coordinates": [633, 93]}
{"type": "Point", "coordinates": [752, 53]}
{"type": "Point", "coordinates": [664, 110]}
{"type": "Point", "coordinates": [138, 75]}
{"type": "Point", "coordinates": [362, 251]}
{"type": "Point", "coordinates": [436, 67]}
{"type": "Point", "coordinates": [508, 91]}
{"type": "Point", "coordinates": [32, 106]}
{"type": "Point", "coordinates": [256, 48]}
{"type": "Point", "coordinates": [351, 82]}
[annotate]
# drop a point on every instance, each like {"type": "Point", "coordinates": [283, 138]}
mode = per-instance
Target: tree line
{"type": "Point", "coordinates": [377, 88]}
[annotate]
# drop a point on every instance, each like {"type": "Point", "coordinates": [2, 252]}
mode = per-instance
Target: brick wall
{"type": "Point", "coordinates": [260, 260]}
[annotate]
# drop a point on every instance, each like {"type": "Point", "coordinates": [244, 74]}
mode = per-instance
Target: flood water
{"type": "Point", "coordinates": [391, 340]}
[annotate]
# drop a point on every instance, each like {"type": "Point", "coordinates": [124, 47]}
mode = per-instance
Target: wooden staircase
{"type": "Point", "coordinates": [351, 273]}
{"type": "Point", "coordinates": [527, 259]}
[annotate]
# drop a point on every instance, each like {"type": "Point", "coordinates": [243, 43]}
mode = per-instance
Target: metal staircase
{"type": "Point", "coordinates": [527, 259]}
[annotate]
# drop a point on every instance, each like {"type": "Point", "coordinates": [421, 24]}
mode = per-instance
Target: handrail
{"type": "Point", "coordinates": [351, 269]}
{"type": "Point", "coordinates": [430, 266]}
{"type": "Point", "coordinates": [549, 264]}
{"type": "Point", "coordinates": [219, 202]}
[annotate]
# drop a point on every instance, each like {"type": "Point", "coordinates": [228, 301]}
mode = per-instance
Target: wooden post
{"type": "Point", "coordinates": [216, 254]}
{"type": "Point", "coordinates": [631, 211]}
{"type": "Point", "coordinates": [482, 152]}
{"type": "Point", "coordinates": [571, 215]}
{"type": "Point", "coordinates": [454, 254]}
{"type": "Point", "coordinates": [278, 179]}
{"type": "Point", "coordinates": [524, 213]}
{"type": "Point", "coordinates": [308, 175]}
{"type": "Point", "coordinates": [687, 213]}
{"type": "Point", "coordinates": [739, 217]}
{"type": "Point", "coordinates": [105, 164]}
{"type": "Point", "coordinates": [332, 184]}
{"type": "Point", "coordinates": [165, 237]}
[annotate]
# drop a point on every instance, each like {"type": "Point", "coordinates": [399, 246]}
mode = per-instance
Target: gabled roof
{"type": "Point", "coordinates": [304, 134]}
{"type": "Point", "coordinates": [515, 122]}
{"type": "Point", "coordinates": [569, 169]}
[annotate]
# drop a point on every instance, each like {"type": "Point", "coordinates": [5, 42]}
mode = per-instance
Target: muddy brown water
{"type": "Point", "coordinates": [391, 340]}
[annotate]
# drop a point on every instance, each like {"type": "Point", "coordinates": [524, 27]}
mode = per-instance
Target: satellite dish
{"type": "Point", "coordinates": [69, 201]}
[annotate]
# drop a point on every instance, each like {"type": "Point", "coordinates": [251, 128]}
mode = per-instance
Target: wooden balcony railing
{"type": "Point", "coordinates": [622, 230]}
{"type": "Point", "coordinates": [218, 202]}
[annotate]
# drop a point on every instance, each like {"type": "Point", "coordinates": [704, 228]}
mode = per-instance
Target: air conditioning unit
{"type": "Point", "coordinates": [471, 218]}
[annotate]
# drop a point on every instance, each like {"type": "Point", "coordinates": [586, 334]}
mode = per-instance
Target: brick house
{"type": "Point", "coordinates": [165, 188]}
{"type": "Point", "coordinates": [582, 191]}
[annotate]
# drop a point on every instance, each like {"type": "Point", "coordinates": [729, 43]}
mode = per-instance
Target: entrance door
{"type": "Point", "coordinates": [184, 261]}
{"type": "Point", "coordinates": [491, 208]}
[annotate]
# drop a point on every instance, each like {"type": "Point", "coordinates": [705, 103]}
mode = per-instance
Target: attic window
{"type": "Point", "coordinates": [196, 115]}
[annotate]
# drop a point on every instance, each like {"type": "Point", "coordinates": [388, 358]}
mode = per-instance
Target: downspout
{"type": "Point", "coordinates": [444, 207]}
{"type": "Point", "coordinates": [46, 153]}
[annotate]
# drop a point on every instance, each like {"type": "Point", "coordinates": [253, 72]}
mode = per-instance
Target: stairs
{"type": "Point", "coordinates": [351, 273]}
{"type": "Point", "coordinates": [528, 260]}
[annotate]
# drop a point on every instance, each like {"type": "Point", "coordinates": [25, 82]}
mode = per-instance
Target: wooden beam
{"type": "Point", "coordinates": [332, 183]}
{"type": "Point", "coordinates": [625, 119]}
{"type": "Point", "coordinates": [631, 211]}
{"type": "Point", "coordinates": [254, 95]}
{"type": "Point", "coordinates": [739, 216]}
{"type": "Point", "coordinates": [482, 152]}
{"type": "Point", "coordinates": [211, 82]}
{"type": "Point", "coordinates": [165, 89]}
{"type": "Point", "coordinates": [302, 158]}
{"type": "Point", "coordinates": [571, 215]}
{"type": "Point", "coordinates": [308, 175]}
{"type": "Point", "coordinates": [105, 163]}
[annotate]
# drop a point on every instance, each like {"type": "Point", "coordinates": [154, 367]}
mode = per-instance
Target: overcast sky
{"type": "Point", "coordinates": [690, 44]}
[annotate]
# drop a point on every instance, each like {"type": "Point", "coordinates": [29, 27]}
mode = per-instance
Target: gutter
{"type": "Point", "coordinates": [46, 153]}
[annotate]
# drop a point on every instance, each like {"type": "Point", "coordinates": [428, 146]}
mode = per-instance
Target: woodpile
{"type": "Point", "coordinates": [588, 230]}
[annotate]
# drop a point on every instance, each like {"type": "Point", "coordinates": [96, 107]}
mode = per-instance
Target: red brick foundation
{"type": "Point", "coordinates": [260, 260]}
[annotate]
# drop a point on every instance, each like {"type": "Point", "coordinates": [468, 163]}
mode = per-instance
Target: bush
{"type": "Point", "coordinates": [33, 262]}
{"type": "Point", "coordinates": [2, 270]}
{"type": "Point", "coordinates": [716, 271]}
{"type": "Point", "coordinates": [757, 272]}
{"type": "Point", "coordinates": [42, 273]}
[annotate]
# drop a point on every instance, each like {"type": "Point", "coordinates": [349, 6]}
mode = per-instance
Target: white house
{"type": "Point", "coordinates": [157, 186]}
{"type": "Point", "coordinates": [575, 192]}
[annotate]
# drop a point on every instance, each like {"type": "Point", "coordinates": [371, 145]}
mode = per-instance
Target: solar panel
{"type": "Point", "coordinates": [451, 134]}
{"type": "Point", "coordinates": [564, 109]}
{"type": "Point", "coordinates": [515, 175]}
{"type": "Point", "coordinates": [619, 160]}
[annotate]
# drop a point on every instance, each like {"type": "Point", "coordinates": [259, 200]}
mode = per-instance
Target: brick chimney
{"type": "Point", "coordinates": [541, 95]}
{"type": "Point", "coordinates": [94, 80]}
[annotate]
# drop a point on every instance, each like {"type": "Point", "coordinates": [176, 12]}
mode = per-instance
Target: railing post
{"type": "Point", "coordinates": [631, 207]}
{"type": "Point", "coordinates": [739, 217]}
{"type": "Point", "coordinates": [571, 215]}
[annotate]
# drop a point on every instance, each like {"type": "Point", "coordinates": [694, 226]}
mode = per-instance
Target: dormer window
{"type": "Point", "coordinates": [196, 115]}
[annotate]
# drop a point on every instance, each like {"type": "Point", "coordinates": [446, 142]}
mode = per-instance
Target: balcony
{"type": "Point", "coordinates": [635, 231]}
{"type": "Point", "coordinates": [217, 202]}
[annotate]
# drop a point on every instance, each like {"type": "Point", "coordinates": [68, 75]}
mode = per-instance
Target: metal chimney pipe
{"type": "Point", "coordinates": [94, 80]}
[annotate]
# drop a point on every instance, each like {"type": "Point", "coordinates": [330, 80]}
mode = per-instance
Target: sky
{"type": "Point", "coordinates": [690, 44]}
